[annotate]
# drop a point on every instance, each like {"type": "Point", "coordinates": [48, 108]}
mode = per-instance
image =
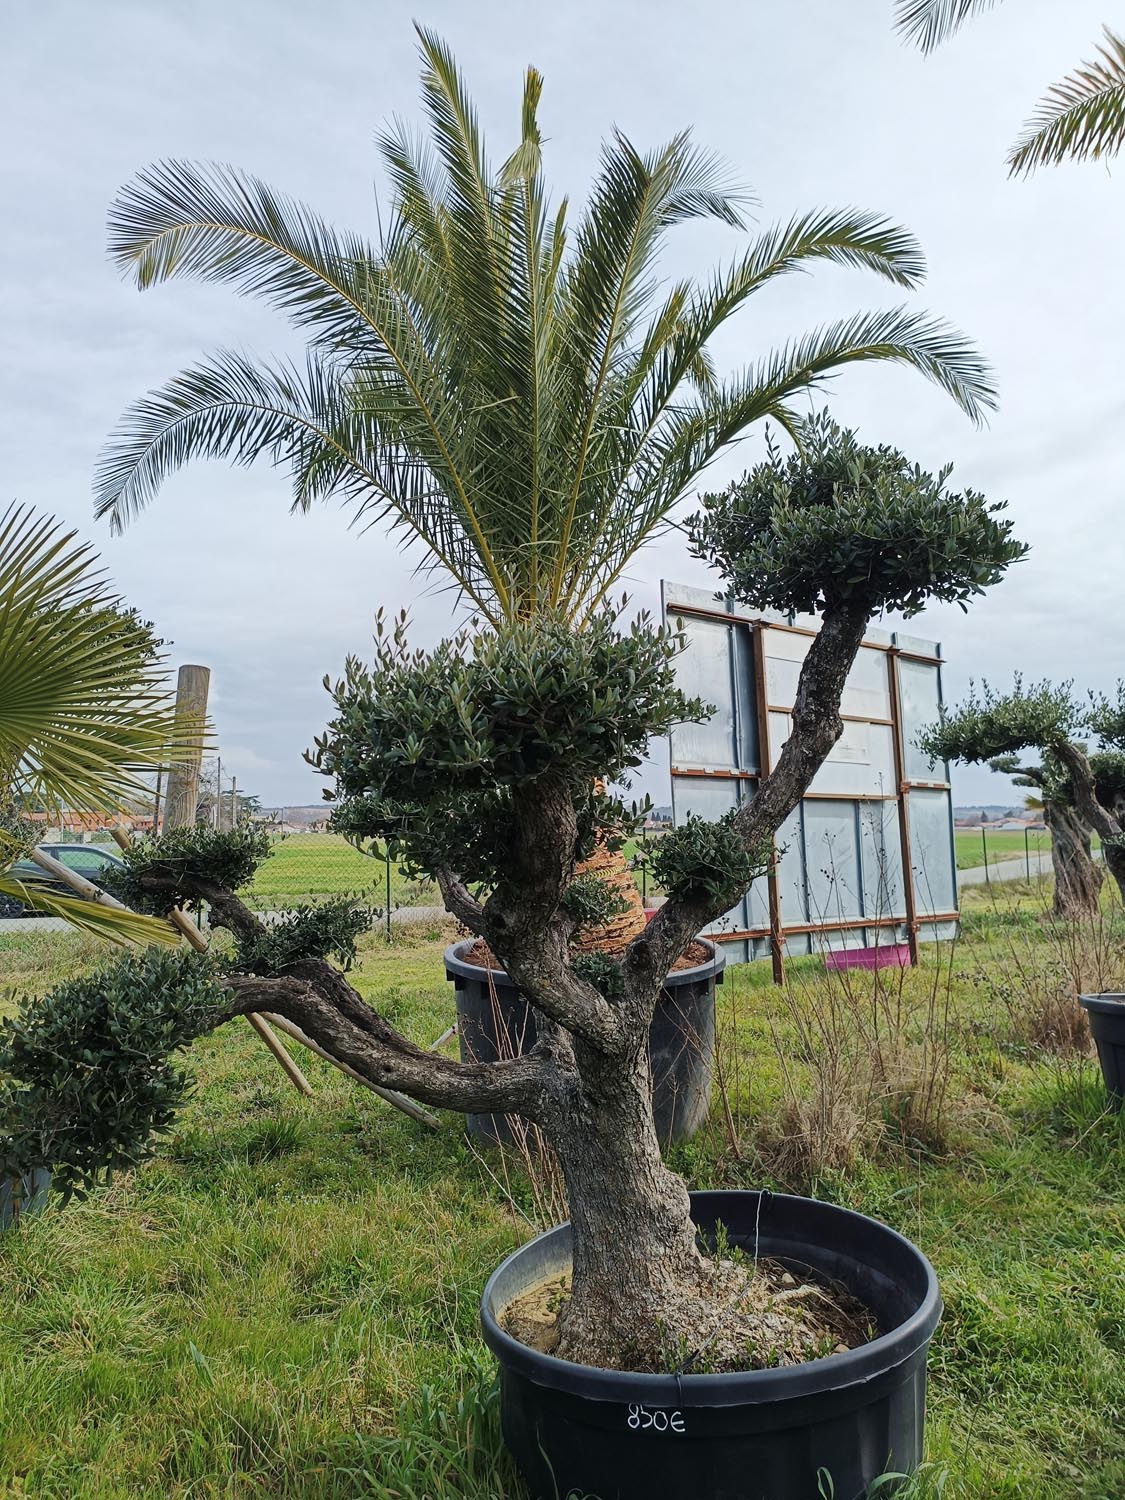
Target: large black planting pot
{"type": "Point", "coordinates": [495, 1021]}
{"type": "Point", "coordinates": [1107, 1022]}
{"type": "Point", "coordinates": [762, 1435]}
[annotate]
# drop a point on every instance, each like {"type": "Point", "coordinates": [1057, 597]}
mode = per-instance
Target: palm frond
{"type": "Point", "coordinates": [927, 23]}
{"type": "Point", "coordinates": [1081, 118]}
{"type": "Point", "coordinates": [84, 702]}
{"type": "Point", "coordinates": [111, 923]}
{"type": "Point", "coordinates": [216, 224]}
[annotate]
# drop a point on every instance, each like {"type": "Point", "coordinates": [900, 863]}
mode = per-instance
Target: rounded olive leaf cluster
{"type": "Point", "coordinates": [427, 748]}
{"type": "Point", "coordinates": [1107, 718]}
{"type": "Point", "coordinates": [836, 523]}
{"type": "Point", "coordinates": [710, 861]}
{"type": "Point", "coordinates": [1108, 767]}
{"type": "Point", "coordinates": [85, 1076]}
{"type": "Point", "coordinates": [989, 725]}
{"type": "Point", "coordinates": [327, 930]}
{"type": "Point", "coordinates": [161, 873]}
{"type": "Point", "coordinates": [600, 970]}
{"type": "Point", "coordinates": [592, 901]}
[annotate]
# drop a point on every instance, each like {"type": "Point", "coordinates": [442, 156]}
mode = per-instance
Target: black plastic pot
{"type": "Point", "coordinates": [762, 1435]}
{"type": "Point", "coordinates": [22, 1195]}
{"type": "Point", "coordinates": [494, 1021]}
{"type": "Point", "coordinates": [1107, 1022]}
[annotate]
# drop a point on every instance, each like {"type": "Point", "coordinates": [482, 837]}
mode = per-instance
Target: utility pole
{"type": "Point", "coordinates": [182, 796]}
{"type": "Point", "coordinates": [234, 802]}
{"type": "Point", "coordinates": [218, 794]}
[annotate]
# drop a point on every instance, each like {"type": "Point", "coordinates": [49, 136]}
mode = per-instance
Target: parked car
{"type": "Point", "coordinates": [84, 859]}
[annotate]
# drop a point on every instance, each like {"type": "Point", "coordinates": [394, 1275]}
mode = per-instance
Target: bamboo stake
{"type": "Point", "coordinates": [187, 928]}
{"type": "Point", "coordinates": [400, 1101]}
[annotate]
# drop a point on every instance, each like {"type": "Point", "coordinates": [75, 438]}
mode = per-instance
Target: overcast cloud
{"type": "Point", "coordinates": [813, 102]}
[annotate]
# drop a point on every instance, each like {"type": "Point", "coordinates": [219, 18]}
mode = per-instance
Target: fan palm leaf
{"type": "Point", "coordinates": [519, 397]}
{"type": "Point", "coordinates": [84, 707]}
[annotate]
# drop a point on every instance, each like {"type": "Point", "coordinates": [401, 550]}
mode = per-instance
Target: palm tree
{"type": "Point", "coordinates": [1081, 118]}
{"type": "Point", "coordinates": [524, 401]}
{"type": "Point", "coordinates": [84, 709]}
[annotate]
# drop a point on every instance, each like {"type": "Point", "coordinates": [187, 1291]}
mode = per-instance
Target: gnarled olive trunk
{"type": "Point", "coordinates": [1078, 881]}
{"type": "Point", "coordinates": [635, 1261]}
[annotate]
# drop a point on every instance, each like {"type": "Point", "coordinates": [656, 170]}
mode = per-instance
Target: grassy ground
{"type": "Point", "coordinates": [1008, 845]}
{"type": "Point", "coordinates": [305, 866]}
{"type": "Point", "coordinates": [283, 1303]}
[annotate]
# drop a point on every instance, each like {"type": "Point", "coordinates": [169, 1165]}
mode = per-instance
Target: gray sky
{"type": "Point", "coordinates": [813, 102]}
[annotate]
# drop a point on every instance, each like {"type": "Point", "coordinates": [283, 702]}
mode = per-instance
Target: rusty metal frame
{"type": "Point", "coordinates": [845, 924]}
{"type": "Point", "coordinates": [903, 800]}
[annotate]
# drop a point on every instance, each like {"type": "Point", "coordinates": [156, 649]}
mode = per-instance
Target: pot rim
{"type": "Point", "coordinates": [738, 1387]}
{"type": "Point", "coordinates": [455, 964]}
{"type": "Point", "coordinates": [1110, 1003]}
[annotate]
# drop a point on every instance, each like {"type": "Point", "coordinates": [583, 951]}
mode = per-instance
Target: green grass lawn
{"type": "Point", "coordinates": [308, 866]}
{"type": "Point", "coordinates": [283, 1302]}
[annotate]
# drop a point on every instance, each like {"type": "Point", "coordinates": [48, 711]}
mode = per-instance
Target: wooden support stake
{"type": "Point", "coordinates": [182, 796]}
{"type": "Point", "coordinates": [400, 1101]}
{"type": "Point", "coordinates": [187, 928]}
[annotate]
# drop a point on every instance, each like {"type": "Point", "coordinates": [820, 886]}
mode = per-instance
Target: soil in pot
{"type": "Point", "coordinates": [748, 1316]}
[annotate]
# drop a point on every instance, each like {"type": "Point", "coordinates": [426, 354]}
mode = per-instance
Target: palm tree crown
{"type": "Point", "coordinates": [522, 398]}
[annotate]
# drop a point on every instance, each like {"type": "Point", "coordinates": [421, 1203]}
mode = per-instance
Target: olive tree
{"type": "Point", "coordinates": [1082, 791]}
{"type": "Point", "coordinates": [477, 763]}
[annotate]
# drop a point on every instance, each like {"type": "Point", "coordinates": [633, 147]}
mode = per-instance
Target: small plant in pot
{"type": "Point", "coordinates": [669, 1321]}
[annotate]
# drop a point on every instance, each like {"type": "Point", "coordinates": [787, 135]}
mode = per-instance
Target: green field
{"type": "Point", "coordinates": [283, 1303]}
{"type": "Point", "coordinates": [1001, 846]}
{"type": "Point", "coordinates": [305, 866]}
{"type": "Point", "coordinates": [308, 866]}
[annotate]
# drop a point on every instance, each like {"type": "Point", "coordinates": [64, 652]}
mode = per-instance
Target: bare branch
{"type": "Point", "coordinates": [460, 903]}
{"type": "Point", "coordinates": [520, 1084]}
{"type": "Point", "coordinates": [816, 726]}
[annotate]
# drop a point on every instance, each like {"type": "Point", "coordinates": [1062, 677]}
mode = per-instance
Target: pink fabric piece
{"type": "Point", "coordinates": [885, 956]}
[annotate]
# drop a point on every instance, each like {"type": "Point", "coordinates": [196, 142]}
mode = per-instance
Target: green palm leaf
{"type": "Point", "coordinates": [930, 22]}
{"type": "Point", "coordinates": [1081, 118]}
{"type": "Point", "coordinates": [508, 393]}
{"type": "Point", "coordinates": [111, 923]}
